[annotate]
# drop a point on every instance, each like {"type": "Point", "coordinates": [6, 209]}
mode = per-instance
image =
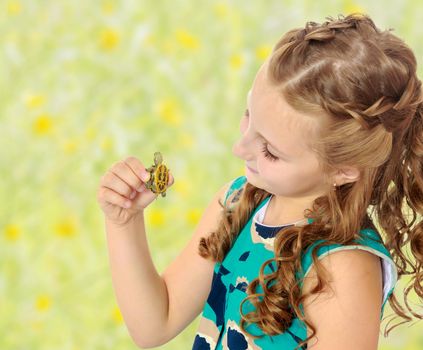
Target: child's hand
{"type": "Point", "coordinates": [125, 182]}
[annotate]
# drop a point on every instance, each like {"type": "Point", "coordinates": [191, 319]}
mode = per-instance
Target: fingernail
{"type": "Point", "coordinates": [145, 176]}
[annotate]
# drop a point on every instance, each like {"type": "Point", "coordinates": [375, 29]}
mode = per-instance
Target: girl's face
{"type": "Point", "coordinates": [274, 144]}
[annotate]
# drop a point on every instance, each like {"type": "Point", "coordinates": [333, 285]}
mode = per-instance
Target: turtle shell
{"type": "Point", "coordinates": [161, 178]}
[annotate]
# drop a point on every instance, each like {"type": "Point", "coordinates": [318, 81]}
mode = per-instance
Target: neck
{"type": "Point", "coordinates": [283, 216]}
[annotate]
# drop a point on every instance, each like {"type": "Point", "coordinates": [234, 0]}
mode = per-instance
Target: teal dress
{"type": "Point", "coordinates": [219, 326]}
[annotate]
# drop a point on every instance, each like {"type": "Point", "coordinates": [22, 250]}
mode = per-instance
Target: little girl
{"type": "Point", "coordinates": [332, 140]}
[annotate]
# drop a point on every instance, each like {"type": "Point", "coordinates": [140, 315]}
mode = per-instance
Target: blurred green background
{"type": "Point", "coordinates": [87, 83]}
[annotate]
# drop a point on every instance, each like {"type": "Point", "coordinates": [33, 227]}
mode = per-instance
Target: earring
{"type": "Point", "coordinates": [334, 185]}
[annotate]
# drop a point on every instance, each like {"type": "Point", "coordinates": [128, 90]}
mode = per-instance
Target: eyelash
{"type": "Point", "coordinates": [267, 154]}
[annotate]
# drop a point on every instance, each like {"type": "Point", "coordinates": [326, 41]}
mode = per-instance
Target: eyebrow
{"type": "Point", "coordinates": [278, 151]}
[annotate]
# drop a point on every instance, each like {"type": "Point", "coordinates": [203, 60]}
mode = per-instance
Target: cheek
{"type": "Point", "coordinates": [279, 171]}
{"type": "Point", "coordinates": [267, 168]}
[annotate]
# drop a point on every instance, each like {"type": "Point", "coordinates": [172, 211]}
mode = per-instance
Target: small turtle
{"type": "Point", "coordinates": [159, 175]}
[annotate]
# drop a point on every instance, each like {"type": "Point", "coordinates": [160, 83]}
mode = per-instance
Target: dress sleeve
{"type": "Point", "coordinates": [235, 189]}
{"type": "Point", "coordinates": [369, 241]}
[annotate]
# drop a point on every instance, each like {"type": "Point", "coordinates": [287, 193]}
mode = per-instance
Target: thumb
{"type": "Point", "coordinates": [171, 179]}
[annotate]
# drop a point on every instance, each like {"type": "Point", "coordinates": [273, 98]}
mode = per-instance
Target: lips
{"type": "Point", "coordinates": [251, 169]}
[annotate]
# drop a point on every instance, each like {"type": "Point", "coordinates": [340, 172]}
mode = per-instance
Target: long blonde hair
{"type": "Point", "coordinates": [361, 84]}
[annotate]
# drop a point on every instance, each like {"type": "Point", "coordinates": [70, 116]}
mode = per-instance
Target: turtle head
{"type": "Point", "coordinates": [157, 158]}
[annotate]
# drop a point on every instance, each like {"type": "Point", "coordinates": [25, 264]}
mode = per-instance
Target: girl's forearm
{"type": "Point", "coordinates": [140, 291]}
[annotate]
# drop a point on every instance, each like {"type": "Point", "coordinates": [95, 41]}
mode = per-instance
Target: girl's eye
{"type": "Point", "coordinates": [268, 155]}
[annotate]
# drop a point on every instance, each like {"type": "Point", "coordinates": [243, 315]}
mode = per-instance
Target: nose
{"type": "Point", "coordinates": [239, 148]}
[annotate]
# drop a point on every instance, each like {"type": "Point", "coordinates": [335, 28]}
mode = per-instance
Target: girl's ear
{"type": "Point", "coordinates": [346, 174]}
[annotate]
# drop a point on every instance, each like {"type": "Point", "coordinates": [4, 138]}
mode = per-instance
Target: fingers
{"type": "Point", "coordinates": [124, 179]}
{"type": "Point", "coordinates": [137, 169]}
{"type": "Point", "coordinates": [171, 179]}
{"type": "Point", "coordinates": [113, 197]}
{"type": "Point", "coordinates": [115, 183]}
{"type": "Point", "coordinates": [131, 171]}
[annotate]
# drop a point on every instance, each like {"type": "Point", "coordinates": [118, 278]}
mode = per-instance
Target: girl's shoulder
{"type": "Point", "coordinates": [369, 240]}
